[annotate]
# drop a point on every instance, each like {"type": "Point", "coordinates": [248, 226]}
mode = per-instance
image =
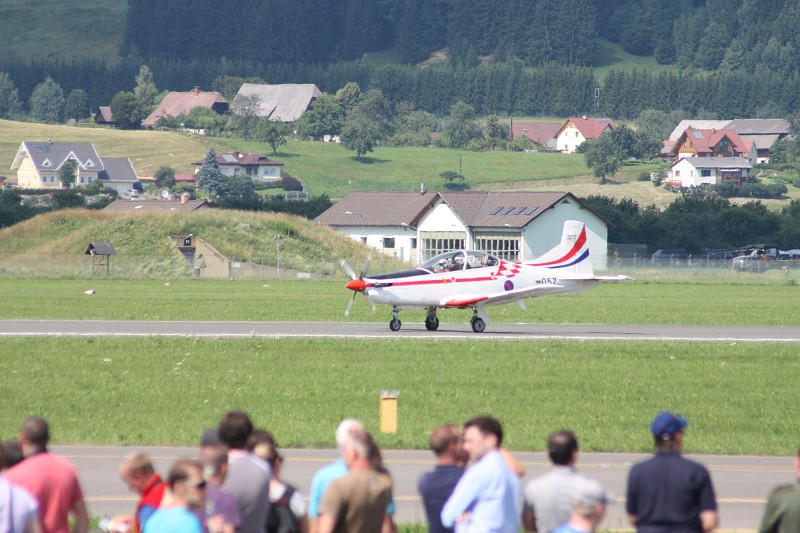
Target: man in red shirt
{"type": "Point", "coordinates": [51, 479]}
{"type": "Point", "coordinates": [139, 475]}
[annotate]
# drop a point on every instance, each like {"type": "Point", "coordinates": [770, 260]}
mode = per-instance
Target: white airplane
{"type": "Point", "coordinates": [468, 279]}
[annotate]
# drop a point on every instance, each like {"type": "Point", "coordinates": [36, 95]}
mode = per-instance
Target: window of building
{"type": "Point", "coordinates": [705, 173]}
{"type": "Point", "coordinates": [438, 242]}
{"type": "Point", "coordinates": [576, 134]}
{"type": "Point", "coordinates": [388, 242]}
{"type": "Point", "coordinates": [413, 242]}
{"type": "Point", "coordinates": [502, 245]}
{"type": "Point", "coordinates": [83, 179]}
{"type": "Point", "coordinates": [677, 173]}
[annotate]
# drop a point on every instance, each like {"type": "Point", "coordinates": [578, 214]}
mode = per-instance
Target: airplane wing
{"type": "Point", "coordinates": [500, 297]}
{"type": "Point", "coordinates": [618, 277]}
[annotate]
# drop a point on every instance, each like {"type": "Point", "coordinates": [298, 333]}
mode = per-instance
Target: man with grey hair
{"type": "Point", "coordinates": [335, 470]}
{"type": "Point", "coordinates": [589, 501]}
{"type": "Point", "coordinates": [358, 500]}
{"type": "Point", "coordinates": [51, 479]}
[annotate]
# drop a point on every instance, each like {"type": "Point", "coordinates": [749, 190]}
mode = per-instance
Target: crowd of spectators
{"type": "Point", "coordinates": [234, 485]}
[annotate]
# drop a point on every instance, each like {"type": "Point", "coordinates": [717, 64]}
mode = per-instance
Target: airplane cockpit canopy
{"type": "Point", "coordinates": [459, 260]}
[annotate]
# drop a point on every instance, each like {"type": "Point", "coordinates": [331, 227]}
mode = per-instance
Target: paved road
{"type": "Point", "coordinates": [742, 483]}
{"type": "Point", "coordinates": [372, 330]}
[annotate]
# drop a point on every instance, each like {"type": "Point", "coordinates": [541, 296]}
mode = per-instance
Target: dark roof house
{"type": "Point", "coordinates": [283, 102]}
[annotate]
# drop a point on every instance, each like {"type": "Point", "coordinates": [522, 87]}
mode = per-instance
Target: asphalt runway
{"type": "Point", "coordinates": [742, 483]}
{"type": "Point", "coordinates": [373, 330]}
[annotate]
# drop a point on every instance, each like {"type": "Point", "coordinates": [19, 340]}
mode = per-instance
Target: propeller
{"type": "Point", "coordinates": [356, 283]}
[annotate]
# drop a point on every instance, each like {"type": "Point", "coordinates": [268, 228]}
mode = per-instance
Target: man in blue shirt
{"type": "Point", "coordinates": [435, 487]}
{"type": "Point", "coordinates": [187, 488]}
{"type": "Point", "coordinates": [667, 493]}
{"type": "Point", "coordinates": [487, 497]}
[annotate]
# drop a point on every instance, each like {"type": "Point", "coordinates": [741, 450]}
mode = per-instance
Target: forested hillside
{"type": "Point", "coordinates": [722, 58]}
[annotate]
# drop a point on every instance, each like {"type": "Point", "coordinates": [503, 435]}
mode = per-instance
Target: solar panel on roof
{"type": "Point", "coordinates": [697, 135]}
{"type": "Point", "coordinates": [507, 211]}
{"type": "Point", "coordinates": [531, 210]}
{"type": "Point", "coordinates": [494, 212]}
{"type": "Point", "coordinates": [229, 158]}
{"type": "Point", "coordinates": [41, 148]}
{"type": "Point", "coordinates": [519, 211]}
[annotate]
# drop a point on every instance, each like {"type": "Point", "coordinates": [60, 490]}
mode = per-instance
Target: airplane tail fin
{"type": "Point", "coordinates": [572, 254]}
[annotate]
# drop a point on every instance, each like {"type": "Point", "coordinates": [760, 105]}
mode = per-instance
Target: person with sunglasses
{"type": "Point", "coordinates": [186, 495]}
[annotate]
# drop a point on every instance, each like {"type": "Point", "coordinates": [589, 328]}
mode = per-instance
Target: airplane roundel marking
{"type": "Point", "coordinates": [508, 285]}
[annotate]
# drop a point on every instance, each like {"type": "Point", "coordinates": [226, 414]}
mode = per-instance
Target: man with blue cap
{"type": "Point", "coordinates": [669, 493]}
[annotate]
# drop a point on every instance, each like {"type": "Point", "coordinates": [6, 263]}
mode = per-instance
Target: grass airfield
{"type": "Point", "coordinates": [739, 398]}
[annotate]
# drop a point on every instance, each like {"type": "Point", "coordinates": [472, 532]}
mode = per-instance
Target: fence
{"type": "Point", "coordinates": [682, 270]}
{"type": "Point", "coordinates": [695, 270]}
{"type": "Point", "coordinates": [155, 267]}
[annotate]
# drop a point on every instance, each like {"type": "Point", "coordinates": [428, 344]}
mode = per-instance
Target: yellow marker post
{"type": "Point", "coordinates": [388, 407]}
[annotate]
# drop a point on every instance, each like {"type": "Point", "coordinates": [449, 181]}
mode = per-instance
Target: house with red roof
{"type": "Point", "coordinates": [176, 104]}
{"type": "Point", "coordinates": [576, 130]}
{"type": "Point", "coordinates": [542, 134]}
{"type": "Point", "coordinates": [713, 143]}
{"type": "Point", "coordinates": [258, 167]}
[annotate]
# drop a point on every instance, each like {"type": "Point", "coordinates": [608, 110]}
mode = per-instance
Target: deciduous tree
{"type": "Point", "coordinates": [47, 102]}
{"type": "Point", "coordinates": [461, 127]}
{"type": "Point", "coordinates": [165, 177]}
{"type": "Point", "coordinates": [244, 114]}
{"type": "Point", "coordinates": [271, 132]}
{"type": "Point", "coordinates": [601, 157]}
{"type": "Point", "coordinates": [125, 110]}
{"type": "Point", "coordinates": [77, 105]}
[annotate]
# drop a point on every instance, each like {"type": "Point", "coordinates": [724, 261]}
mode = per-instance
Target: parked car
{"type": "Point", "coordinates": [670, 257]}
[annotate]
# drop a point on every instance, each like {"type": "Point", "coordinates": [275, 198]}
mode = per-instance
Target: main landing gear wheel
{"type": "Point", "coordinates": [394, 324]}
{"type": "Point", "coordinates": [478, 325]}
{"type": "Point", "coordinates": [432, 323]}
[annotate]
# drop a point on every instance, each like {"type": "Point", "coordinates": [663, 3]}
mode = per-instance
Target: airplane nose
{"type": "Point", "coordinates": [357, 285]}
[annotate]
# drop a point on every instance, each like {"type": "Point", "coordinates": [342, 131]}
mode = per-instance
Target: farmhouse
{"type": "Point", "coordinates": [576, 130]}
{"type": "Point", "coordinates": [285, 102]}
{"type": "Point", "coordinates": [693, 171]}
{"type": "Point", "coordinates": [763, 132]}
{"type": "Point", "coordinates": [258, 167]}
{"type": "Point", "coordinates": [39, 164]}
{"type": "Point", "coordinates": [713, 143]}
{"type": "Point", "coordinates": [514, 226]}
{"type": "Point", "coordinates": [176, 104]}
{"type": "Point", "coordinates": [542, 134]}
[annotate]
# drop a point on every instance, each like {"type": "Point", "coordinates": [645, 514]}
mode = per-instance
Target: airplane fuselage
{"type": "Point", "coordinates": [424, 289]}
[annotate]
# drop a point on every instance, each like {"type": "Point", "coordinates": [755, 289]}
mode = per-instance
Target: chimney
{"type": "Point", "coordinates": [184, 198]}
{"type": "Point", "coordinates": [196, 90]}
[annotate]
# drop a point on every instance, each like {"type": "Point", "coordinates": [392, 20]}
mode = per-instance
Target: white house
{"type": "Point", "coordinates": [694, 171]}
{"type": "Point", "coordinates": [576, 130]}
{"type": "Point", "coordinates": [258, 167]}
{"type": "Point", "coordinates": [512, 225]}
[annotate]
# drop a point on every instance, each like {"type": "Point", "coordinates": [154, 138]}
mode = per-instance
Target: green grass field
{"type": "Point", "coordinates": [738, 398]}
{"type": "Point", "coordinates": [325, 300]}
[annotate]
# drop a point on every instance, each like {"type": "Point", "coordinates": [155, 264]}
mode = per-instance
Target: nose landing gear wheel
{"type": "Point", "coordinates": [432, 323]}
{"type": "Point", "coordinates": [394, 324]}
{"type": "Point", "coordinates": [478, 325]}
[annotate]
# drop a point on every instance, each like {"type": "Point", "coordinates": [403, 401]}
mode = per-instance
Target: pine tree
{"type": "Point", "coordinates": [209, 177]}
{"type": "Point", "coordinates": [9, 97]}
{"type": "Point", "coordinates": [77, 105]}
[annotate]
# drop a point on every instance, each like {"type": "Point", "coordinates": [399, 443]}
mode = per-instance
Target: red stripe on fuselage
{"type": "Point", "coordinates": [569, 255]}
{"type": "Point", "coordinates": [432, 281]}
